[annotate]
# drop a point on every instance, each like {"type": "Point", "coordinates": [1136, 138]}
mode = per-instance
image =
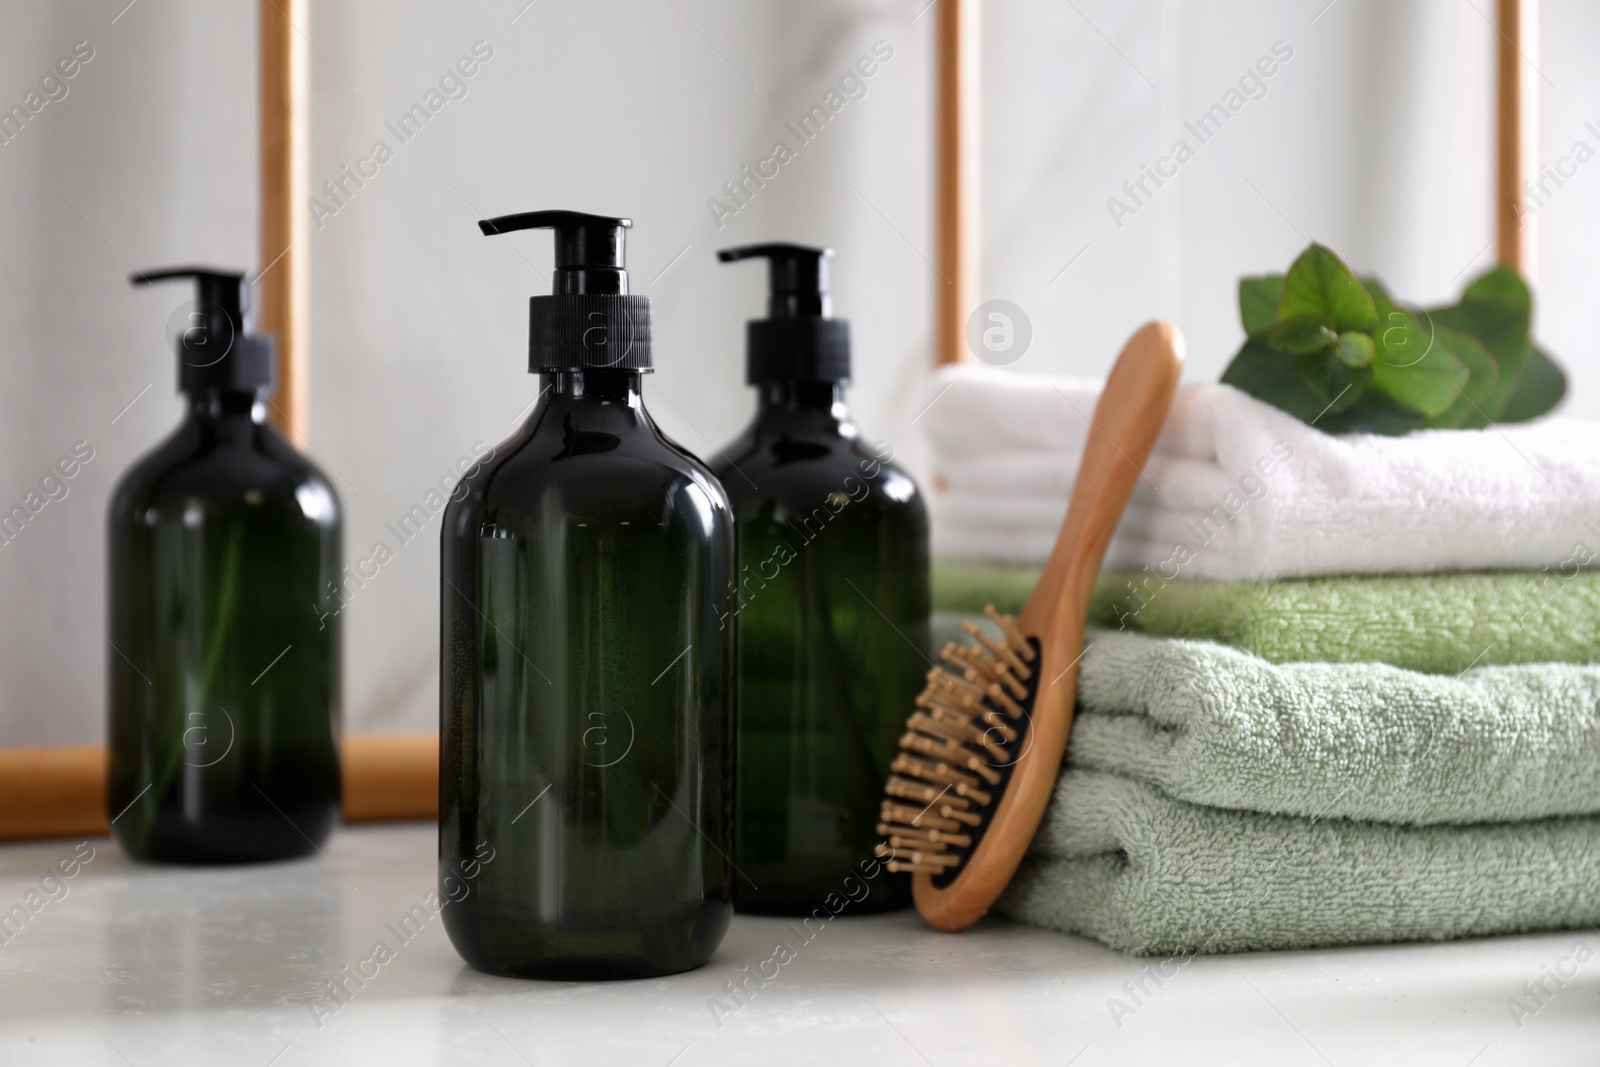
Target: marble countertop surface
{"type": "Point", "coordinates": [125, 964]}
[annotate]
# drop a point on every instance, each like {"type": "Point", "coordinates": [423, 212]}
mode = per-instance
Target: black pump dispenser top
{"type": "Point", "coordinates": [589, 322]}
{"type": "Point", "coordinates": [217, 349]}
{"type": "Point", "coordinates": [799, 341]}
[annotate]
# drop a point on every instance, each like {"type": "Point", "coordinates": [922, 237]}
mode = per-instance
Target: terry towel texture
{"type": "Point", "coordinates": [1440, 623]}
{"type": "Point", "coordinates": [1215, 802]}
{"type": "Point", "coordinates": [1117, 861]}
{"type": "Point", "coordinates": [1215, 726]}
{"type": "Point", "coordinates": [1237, 489]}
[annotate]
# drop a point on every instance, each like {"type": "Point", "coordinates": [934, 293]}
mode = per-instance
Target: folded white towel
{"type": "Point", "coordinates": [978, 411]}
{"type": "Point", "coordinates": [1239, 490]}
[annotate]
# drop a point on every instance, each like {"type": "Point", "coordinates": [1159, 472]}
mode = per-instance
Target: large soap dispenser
{"type": "Point", "coordinates": [586, 688]}
{"type": "Point", "coordinates": [223, 664]}
{"type": "Point", "coordinates": [831, 607]}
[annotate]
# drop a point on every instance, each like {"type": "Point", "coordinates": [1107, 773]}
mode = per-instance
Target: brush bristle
{"type": "Point", "coordinates": [958, 749]}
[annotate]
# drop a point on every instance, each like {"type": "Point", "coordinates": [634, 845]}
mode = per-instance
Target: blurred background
{"type": "Point", "coordinates": [1374, 135]}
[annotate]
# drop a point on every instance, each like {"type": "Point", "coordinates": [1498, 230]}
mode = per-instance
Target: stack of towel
{"type": "Point", "coordinates": [1341, 689]}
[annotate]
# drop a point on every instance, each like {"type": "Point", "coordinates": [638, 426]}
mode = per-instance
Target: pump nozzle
{"type": "Point", "coordinates": [216, 348]}
{"type": "Point", "coordinates": [799, 340]}
{"type": "Point", "coordinates": [589, 255]}
{"type": "Point", "coordinates": [589, 322]}
{"type": "Point", "coordinates": [799, 277]}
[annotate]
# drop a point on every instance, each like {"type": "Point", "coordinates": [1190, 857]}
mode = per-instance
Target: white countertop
{"type": "Point", "coordinates": [143, 965]}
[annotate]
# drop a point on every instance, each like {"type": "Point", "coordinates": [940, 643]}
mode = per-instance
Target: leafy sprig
{"type": "Point", "coordinates": [1338, 352]}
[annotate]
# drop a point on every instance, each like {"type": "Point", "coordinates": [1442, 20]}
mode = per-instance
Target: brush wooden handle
{"type": "Point", "coordinates": [1127, 420]}
{"type": "Point", "coordinates": [1122, 433]}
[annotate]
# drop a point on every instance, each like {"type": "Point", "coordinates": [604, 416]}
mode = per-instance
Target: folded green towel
{"type": "Point", "coordinates": [1441, 623]}
{"type": "Point", "coordinates": [1121, 863]}
{"type": "Point", "coordinates": [1216, 726]}
{"type": "Point", "coordinates": [964, 588]}
{"type": "Point", "coordinates": [961, 589]}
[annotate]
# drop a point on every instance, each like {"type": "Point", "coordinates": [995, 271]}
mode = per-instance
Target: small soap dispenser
{"type": "Point", "coordinates": [224, 649]}
{"type": "Point", "coordinates": [831, 608]}
{"type": "Point", "coordinates": [586, 682]}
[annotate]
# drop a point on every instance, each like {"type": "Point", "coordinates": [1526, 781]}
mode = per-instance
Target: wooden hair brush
{"type": "Point", "coordinates": [980, 756]}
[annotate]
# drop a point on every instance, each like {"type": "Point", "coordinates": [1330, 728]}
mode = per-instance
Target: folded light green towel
{"type": "Point", "coordinates": [1216, 726]}
{"type": "Point", "coordinates": [1118, 861]}
{"type": "Point", "coordinates": [1216, 802]}
{"type": "Point", "coordinates": [1441, 623]}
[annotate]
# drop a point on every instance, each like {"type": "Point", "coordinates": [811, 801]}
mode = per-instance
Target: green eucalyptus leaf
{"type": "Point", "coordinates": [1258, 302]}
{"type": "Point", "coordinates": [1318, 283]}
{"type": "Point", "coordinates": [1269, 377]}
{"type": "Point", "coordinates": [1400, 340]}
{"type": "Point", "coordinates": [1355, 349]}
{"type": "Point", "coordinates": [1540, 388]}
{"type": "Point", "coordinates": [1502, 328]}
{"type": "Point", "coordinates": [1302, 334]}
{"type": "Point", "coordinates": [1410, 367]}
{"type": "Point", "coordinates": [1375, 412]}
{"type": "Point", "coordinates": [1337, 384]}
{"type": "Point", "coordinates": [1502, 285]}
{"type": "Point", "coordinates": [1467, 412]}
{"type": "Point", "coordinates": [1341, 354]}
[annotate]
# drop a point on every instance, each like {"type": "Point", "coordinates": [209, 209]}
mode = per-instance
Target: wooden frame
{"type": "Point", "coordinates": [1516, 128]}
{"type": "Point", "coordinates": [958, 173]}
{"type": "Point", "coordinates": [50, 792]}
{"type": "Point", "coordinates": [61, 792]}
{"type": "Point", "coordinates": [282, 290]}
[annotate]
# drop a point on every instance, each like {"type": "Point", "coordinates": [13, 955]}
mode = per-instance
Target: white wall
{"type": "Point", "coordinates": [1375, 138]}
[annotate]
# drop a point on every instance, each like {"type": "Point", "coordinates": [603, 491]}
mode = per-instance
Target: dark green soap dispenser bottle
{"type": "Point", "coordinates": [224, 660]}
{"type": "Point", "coordinates": [586, 689]}
{"type": "Point", "coordinates": [831, 607]}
